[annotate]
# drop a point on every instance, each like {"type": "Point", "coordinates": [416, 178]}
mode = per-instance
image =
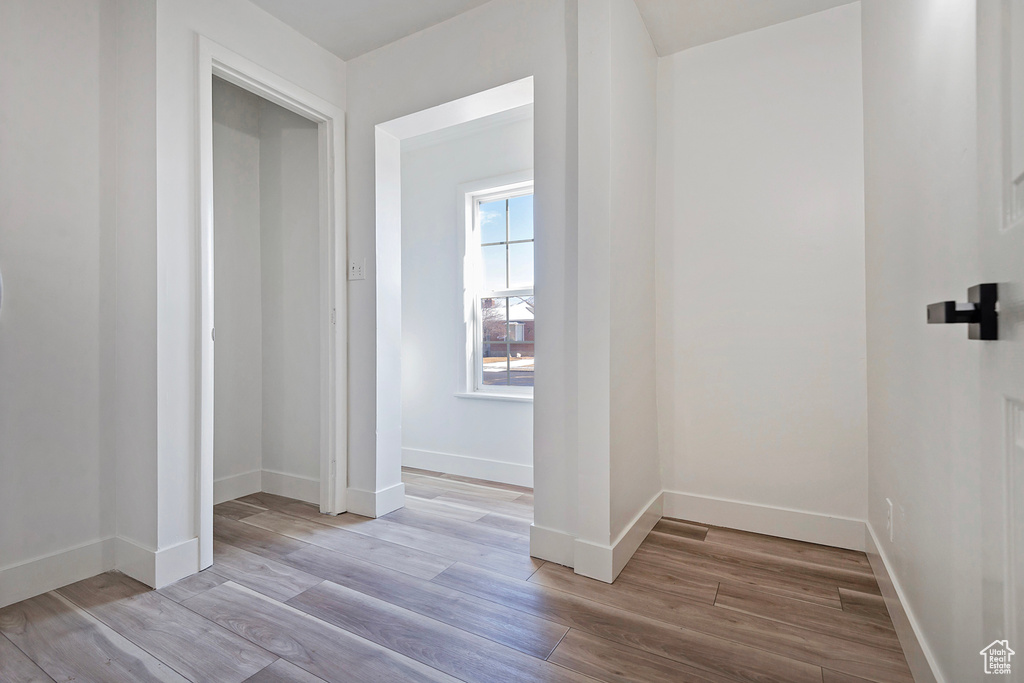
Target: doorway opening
{"type": "Point", "coordinates": [462, 174]}
{"type": "Point", "coordinates": [272, 373]}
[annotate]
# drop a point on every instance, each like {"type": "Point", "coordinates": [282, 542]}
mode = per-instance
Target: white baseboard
{"type": "Point", "coordinates": [157, 568]}
{"type": "Point", "coordinates": [176, 562]}
{"type": "Point", "coordinates": [635, 533]}
{"type": "Point", "coordinates": [292, 486]}
{"type": "Point", "coordinates": [466, 466]}
{"type": "Point", "coordinates": [43, 574]}
{"type": "Point", "coordinates": [270, 481]}
{"type": "Point", "coordinates": [919, 656]}
{"type": "Point", "coordinates": [136, 561]}
{"type": "Point", "coordinates": [236, 486]}
{"type": "Point", "coordinates": [376, 503]}
{"type": "Point", "coordinates": [839, 532]}
{"type": "Point", "coordinates": [604, 562]}
{"type": "Point", "coordinates": [551, 546]}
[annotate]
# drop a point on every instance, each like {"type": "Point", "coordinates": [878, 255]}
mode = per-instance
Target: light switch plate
{"type": "Point", "coordinates": [357, 269]}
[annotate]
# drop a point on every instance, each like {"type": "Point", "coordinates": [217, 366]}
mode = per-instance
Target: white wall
{"type": "Point", "coordinates": [238, 276]}
{"type": "Point", "coordinates": [113, 179]}
{"type": "Point", "coordinates": [618, 468]}
{"type": "Point", "coordinates": [635, 468]}
{"type": "Point", "coordinates": [487, 439]}
{"type": "Point", "coordinates": [290, 226]}
{"type": "Point", "coordinates": [728, 233]}
{"type": "Point", "coordinates": [56, 254]}
{"type": "Point", "coordinates": [925, 445]}
{"type": "Point", "coordinates": [267, 290]}
{"type": "Point", "coordinates": [135, 287]}
{"type": "Point", "coordinates": [761, 340]}
{"type": "Point", "coordinates": [494, 44]}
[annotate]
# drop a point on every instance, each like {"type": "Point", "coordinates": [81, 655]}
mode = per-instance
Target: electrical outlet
{"type": "Point", "coordinates": [357, 269]}
{"type": "Point", "coordinates": [890, 524]}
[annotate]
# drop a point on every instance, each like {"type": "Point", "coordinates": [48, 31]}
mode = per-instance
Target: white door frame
{"type": "Point", "coordinates": [216, 60]}
{"type": "Point", "coordinates": [388, 137]}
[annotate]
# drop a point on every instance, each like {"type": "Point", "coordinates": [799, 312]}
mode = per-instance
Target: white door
{"type": "Point", "coordinates": [1001, 251]}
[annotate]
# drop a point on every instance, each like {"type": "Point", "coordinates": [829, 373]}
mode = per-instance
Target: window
{"type": "Point", "coordinates": [499, 279]}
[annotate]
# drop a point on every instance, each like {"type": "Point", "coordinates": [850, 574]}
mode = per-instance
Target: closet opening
{"type": "Point", "coordinates": [266, 294]}
{"type": "Point", "coordinates": [271, 376]}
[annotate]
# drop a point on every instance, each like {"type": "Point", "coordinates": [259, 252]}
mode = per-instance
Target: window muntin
{"type": "Point", "coordinates": [504, 304]}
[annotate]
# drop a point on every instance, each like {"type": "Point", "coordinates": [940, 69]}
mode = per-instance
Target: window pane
{"type": "Point", "coordinates": [520, 311]}
{"type": "Point", "coordinates": [506, 324]}
{"type": "Point", "coordinates": [520, 260]}
{"type": "Point", "coordinates": [494, 267]}
{"type": "Point", "coordinates": [495, 364]}
{"type": "Point", "coordinates": [492, 221]}
{"type": "Point", "coordinates": [520, 218]}
{"type": "Point", "coordinates": [521, 363]}
{"type": "Point", "coordinates": [493, 317]}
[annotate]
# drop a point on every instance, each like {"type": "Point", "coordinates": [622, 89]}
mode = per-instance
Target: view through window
{"type": "Point", "coordinates": [505, 330]}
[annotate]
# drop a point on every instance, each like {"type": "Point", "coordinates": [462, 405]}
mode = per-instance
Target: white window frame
{"type": "Point", "coordinates": [470, 195]}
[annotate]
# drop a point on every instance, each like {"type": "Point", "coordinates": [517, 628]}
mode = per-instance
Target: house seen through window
{"type": "Point", "coordinates": [505, 302]}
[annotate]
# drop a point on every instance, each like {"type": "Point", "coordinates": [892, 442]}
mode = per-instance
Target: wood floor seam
{"type": "Point", "coordinates": [16, 661]}
{"type": "Point", "coordinates": [567, 631]}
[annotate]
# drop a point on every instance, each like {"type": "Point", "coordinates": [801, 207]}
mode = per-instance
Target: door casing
{"type": "Point", "coordinates": [216, 60]}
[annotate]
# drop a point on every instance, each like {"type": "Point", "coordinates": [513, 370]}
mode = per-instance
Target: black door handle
{"type": "Point", "coordinates": [981, 312]}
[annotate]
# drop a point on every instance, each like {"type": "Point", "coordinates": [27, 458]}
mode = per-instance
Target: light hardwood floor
{"type": "Point", "coordinates": [445, 590]}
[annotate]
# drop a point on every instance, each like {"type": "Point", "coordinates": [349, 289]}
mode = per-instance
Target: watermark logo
{"type": "Point", "coordinates": [997, 658]}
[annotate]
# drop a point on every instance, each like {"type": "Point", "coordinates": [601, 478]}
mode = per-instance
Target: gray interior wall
{"type": "Point", "coordinates": [238, 301]}
{"type": "Point", "coordinates": [289, 209]}
{"type": "Point", "coordinates": [56, 253]}
{"type": "Point", "coordinates": [266, 256]}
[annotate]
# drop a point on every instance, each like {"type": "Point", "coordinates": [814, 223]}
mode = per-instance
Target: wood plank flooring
{"type": "Point", "coordinates": [445, 590]}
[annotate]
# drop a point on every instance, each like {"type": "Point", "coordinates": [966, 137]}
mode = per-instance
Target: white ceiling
{"type": "Point", "coordinates": [348, 28]}
{"type": "Point", "coordinates": [676, 25]}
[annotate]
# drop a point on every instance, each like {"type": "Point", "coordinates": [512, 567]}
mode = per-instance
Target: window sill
{"type": "Point", "coordinates": [514, 398]}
